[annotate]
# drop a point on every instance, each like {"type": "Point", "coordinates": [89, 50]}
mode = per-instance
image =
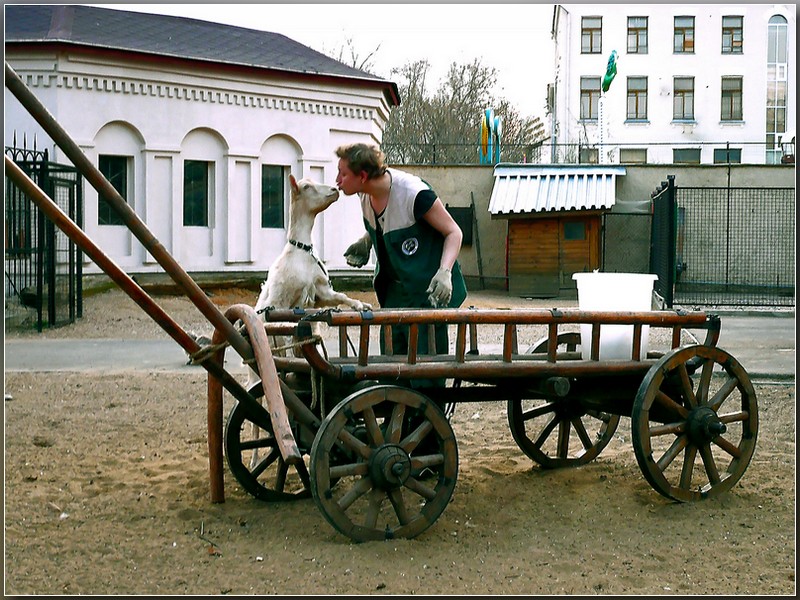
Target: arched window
{"type": "Point", "coordinates": [777, 88]}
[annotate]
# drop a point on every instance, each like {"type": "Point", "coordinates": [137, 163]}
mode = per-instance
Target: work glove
{"type": "Point", "coordinates": [440, 289]}
{"type": "Point", "coordinates": [357, 254]}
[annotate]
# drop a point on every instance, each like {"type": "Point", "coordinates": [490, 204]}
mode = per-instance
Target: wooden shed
{"type": "Point", "coordinates": [554, 222]}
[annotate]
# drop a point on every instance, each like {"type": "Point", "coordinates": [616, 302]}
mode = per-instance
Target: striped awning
{"type": "Point", "coordinates": [520, 189]}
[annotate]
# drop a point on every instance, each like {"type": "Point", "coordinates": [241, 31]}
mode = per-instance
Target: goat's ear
{"type": "Point", "coordinates": [293, 182]}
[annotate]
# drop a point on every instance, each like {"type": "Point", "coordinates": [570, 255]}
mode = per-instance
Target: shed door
{"type": "Point", "coordinates": [533, 257]}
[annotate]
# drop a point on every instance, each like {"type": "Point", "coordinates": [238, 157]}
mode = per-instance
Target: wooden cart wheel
{"type": "Point", "coordinates": [268, 477]}
{"type": "Point", "coordinates": [694, 423]}
{"type": "Point", "coordinates": [384, 464]}
{"type": "Point", "coordinates": [559, 432]}
{"type": "Point", "coordinates": [567, 341]}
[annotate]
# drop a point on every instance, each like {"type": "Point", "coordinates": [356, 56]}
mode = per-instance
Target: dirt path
{"type": "Point", "coordinates": [106, 492]}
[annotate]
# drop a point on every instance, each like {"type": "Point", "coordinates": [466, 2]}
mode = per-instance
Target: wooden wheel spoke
{"type": "Point", "coordinates": [686, 386]}
{"type": "Point", "coordinates": [545, 433]}
{"type": "Point", "coordinates": [373, 430]}
{"type": "Point", "coordinates": [395, 429]}
{"type": "Point", "coordinates": [538, 411]}
{"type": "Point", "coordinates": [361, 487]}
{"type": "Point", "coordinates": [268, 442]}
{"type": "Point", "coordinates": [723, 393]}
{"type": "Point", "coordinates": [670, 404]}
{"type": "Point", "coordinates": [599, 415]}
{"type": "Point", "coordinates": [280, 477]}
{"type": "Point", "coordinates": [418, 487]}
{"type": "Point", "coordinates": [396, 498]}
{"type": "Point", "coordinates": [563, 438]}
{"type": "Point", "coordinates": [688, 467]}
{"type": "Point", "coordinates": [672, 452]}
{"type": "Point", "coordinates": [705, 382]}
{"type": "Point", "coordinates": [676, 428]}
{"type": "Point", "coordinates": [742, 415]}
{"type": "Point", "coordinates": [427, 460]}
{"type": "Point", "coordinates": [413, 439]}
{"type": "Point", "coordinates": [583, 435]}
{"type": "Point", "coordinates": [266, 462]}
{"type": "Point", "coordinates": [374, 501]}
{"type": "Point", "coordinates": [727, 446]}
{"type": "Point", "coordinates": [302, 472]}
{"type": "Point", "coordinates": [351, 442]}
{"type": "Point", "coordinates": [349, 470]}
{"type": "Point", "coordinates": [710, 464]}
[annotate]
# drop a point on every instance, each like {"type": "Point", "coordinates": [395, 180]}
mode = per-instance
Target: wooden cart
{"type": "Point", "coordinates": [380, 457]}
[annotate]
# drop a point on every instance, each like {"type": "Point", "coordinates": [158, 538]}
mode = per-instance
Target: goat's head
{"type": "Point", "coordinates": [311, 196]}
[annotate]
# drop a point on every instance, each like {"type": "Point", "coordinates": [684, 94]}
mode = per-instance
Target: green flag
{"type": "Point", "coordinates": [611, 71]}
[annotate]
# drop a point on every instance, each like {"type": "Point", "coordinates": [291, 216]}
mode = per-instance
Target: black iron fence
{"type": "Point", "coordinates": [43, 272]}
{"type": "Point", "coordinates": [726, 246]}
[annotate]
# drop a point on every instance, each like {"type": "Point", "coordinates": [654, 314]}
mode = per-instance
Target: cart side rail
{"type": "Point", "coordinates": [466, 361]}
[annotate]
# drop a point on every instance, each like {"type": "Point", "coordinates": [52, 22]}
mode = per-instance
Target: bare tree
{"type": "Point", "coordinates": [348, 55]}
{"type": "Point", "coordinates": [444, 127]}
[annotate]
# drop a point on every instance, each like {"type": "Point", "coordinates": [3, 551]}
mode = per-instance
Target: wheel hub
{"type": "Point", "coordinates": [389, 467]}
{"type": "Point", "coordinates": [704, 425]}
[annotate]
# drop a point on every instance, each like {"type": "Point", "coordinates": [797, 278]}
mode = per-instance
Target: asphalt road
{"type": "Point", "coordinates": [764, 345]}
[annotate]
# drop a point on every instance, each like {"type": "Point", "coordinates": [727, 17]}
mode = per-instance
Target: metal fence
{"type": "Point", "coordinates": [735, 246]}
{"type": "Point", "coordinates": [626, 242]}
{"type": "Point", "coordinates": [43, 273]}
{"type": "Point", "coordinates": [546, 151]}
{"type": "Point", "coordinates": [724, 246]}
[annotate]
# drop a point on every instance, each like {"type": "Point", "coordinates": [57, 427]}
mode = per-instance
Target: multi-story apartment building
{"type": "Point", "coordinates": [694, 83]}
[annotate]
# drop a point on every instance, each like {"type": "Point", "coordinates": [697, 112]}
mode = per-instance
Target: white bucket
{"type": "Point", "coordinates": [614, 292]}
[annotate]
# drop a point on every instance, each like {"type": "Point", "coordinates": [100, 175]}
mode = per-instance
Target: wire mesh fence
{"type": "Point", "coordinates": [735, 246]}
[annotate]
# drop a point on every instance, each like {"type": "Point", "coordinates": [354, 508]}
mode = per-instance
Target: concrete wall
{"type": "Point", "coordinates": [457, 185]}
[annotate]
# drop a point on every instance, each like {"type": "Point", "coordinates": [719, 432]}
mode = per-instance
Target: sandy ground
{"type": "Point", "coordinates": [107, 492]}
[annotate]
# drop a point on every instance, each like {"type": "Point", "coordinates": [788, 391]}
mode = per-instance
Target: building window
{"type": "Point", "coordinates": [633, 156]}
{"type": "Point", "coordinates": [637, 98]}
{"type": "Point", "coordinates": [272, 194]}
{"type": "Point", "coordinates": [196, 193]}
{"type": "Point", "coordinates": [777, 81]}
{"type": "Point", "coordinates": [686, 156]}
{"type": "Point", "coordinates": [732, 35]}
{"type": "Point", "coordinates": [683, 99]}
{"type": "Point", "coordinates": [684, 35]}
{"type": "Point", "coordinates": [637, 35]}
{"type": "Point", "coordinates": [574, 231]}
{"type": "Point", "coordinates": [115, 170]}
{"type": "Point", "coordinates": [591, 35]}
{"type": "Point", "coordinates": [590, 95]}
{"type": "Point", "coordinates": [727, 155]}
{"type": "Point", "coordinates": [589, 156]}
{"type": "Point", "coordinates": [731, 98]}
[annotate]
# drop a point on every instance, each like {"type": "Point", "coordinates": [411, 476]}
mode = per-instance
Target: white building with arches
{"type": "Point", "coordinates": [198, 126]}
